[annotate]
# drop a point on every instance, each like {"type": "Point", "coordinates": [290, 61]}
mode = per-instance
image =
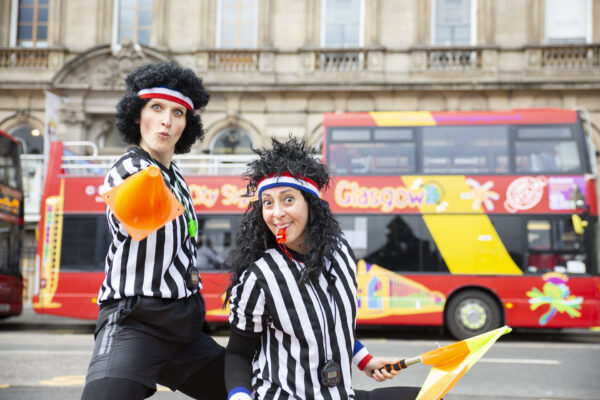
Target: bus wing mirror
{"type": "Point", "coordinates": [578, 224]}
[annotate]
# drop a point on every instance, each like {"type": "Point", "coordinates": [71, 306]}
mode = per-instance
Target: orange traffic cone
{"type": "Point", "coordinates": [143, 203]}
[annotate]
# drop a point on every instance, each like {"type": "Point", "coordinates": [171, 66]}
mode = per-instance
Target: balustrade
{"type": "Point", "coordinates": [340, 59]}
{"type": "Point", "coordinates": [234, 60]}
{"type": "Point", "coordinates": [571, 56]}
{"type": "Point", "coordinates": [454, 59]}
{"type": "Point", "coordinates": [28, 58]}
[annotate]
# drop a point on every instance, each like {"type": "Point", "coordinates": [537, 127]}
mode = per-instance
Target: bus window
{"type": "Point", "coordinates": [565, 237]}
{"type": "Point", "coordinates": [596, 247]}
{"type": "Point", "coordinates": [351, 158]}
{"type": "Point", "coordinates": [540, 257]}
{"type": "Point", "coordinates": [215, 237]}
{"type": "Point", "coordinates": [538, 235]}
{"type": "Point", "coordinates": [382, 151]}
{"type": "Point", "coordinates": [85, 242]}
{"type": "Point", "coordinates": [431, 259]}
{"type": "Point", "coordinates": [404, 245]}
{"type": "Point", "coordinates": [394, 158]}
{"type": "Point", "coordinates": [546, 149]}
{"type": "Point", "coordinates": [507, 227]}
{"type": "Point", "coordinates": [536, 132]}
{"type": "Point", "coordinates": [392, 134]}
{"type": "Point", "coordinates": [361, 158]}
{"type": "Point", "coordinates": [569, 245]}
{"type": "Point", "coordinates": [554, 246]}
{"type": "Point", "coordinates": [548, 157]}
{"type": "Point", "coordinates": [4, 248]}
{"type": "Point", "coordinates": [350, 135]}
{"type": "Point", "coordinates": [465, 149]}
{"type": "Point", "coordinates": [355, 232]}
{"type": "Point", "coordinates": [9, 161]}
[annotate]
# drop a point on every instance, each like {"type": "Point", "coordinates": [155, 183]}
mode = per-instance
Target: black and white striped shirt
{"type": "Point", "coordinates": [158, 265]}
{"type": "Point", "coordinates": [301, 326]}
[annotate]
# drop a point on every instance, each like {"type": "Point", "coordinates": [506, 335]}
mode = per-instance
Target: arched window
{"type": "Point", "coordinates": [31, 140]}
{"type": "Point", "coordinates": [232, 141]}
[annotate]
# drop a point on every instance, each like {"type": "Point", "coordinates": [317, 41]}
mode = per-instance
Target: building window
{"type": "Point", "coordinates": [237, 24]}
{"type": "Point", "coordinates": [32, 25]}
{"type": "Point", "coordinates": [342, 23]}
{"type": "Point", "coordinates": [232, 141]}
{"type": "Point", "coordinates": [134, 20]}
{"type": "Point", "coordinates": [568, 21]}
{"type": "Point", "coordinates": [454, 22]}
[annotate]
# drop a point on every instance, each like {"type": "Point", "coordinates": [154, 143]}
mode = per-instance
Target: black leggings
{"type": "Point", "coordinates": [388, 393]}
{"type": "Point", "coordinates": [206, 384]}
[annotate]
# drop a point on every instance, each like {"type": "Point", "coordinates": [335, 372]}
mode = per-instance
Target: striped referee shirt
{"type": "Point", "coordinates": [301, 325]}
{"type": "Point", "coordinates": [158, 265]}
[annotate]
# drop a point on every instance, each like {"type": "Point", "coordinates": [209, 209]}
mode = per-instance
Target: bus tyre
{"type": "Point", "coordinates": [471, 313]}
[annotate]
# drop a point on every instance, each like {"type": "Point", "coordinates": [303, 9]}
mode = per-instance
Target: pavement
{"type": "Point", "coordinates": [31, 320]}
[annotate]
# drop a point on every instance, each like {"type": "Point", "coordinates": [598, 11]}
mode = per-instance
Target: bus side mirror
{"type": "Point", "coordinates": [578, 224]}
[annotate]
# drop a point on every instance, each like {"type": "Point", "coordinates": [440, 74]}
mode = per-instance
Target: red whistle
{"type": "Point", "coordinates": [280, 237]}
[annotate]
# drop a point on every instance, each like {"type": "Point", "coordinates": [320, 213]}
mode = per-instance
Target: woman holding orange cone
{"type": "Point", "coordinates": [149, 327]}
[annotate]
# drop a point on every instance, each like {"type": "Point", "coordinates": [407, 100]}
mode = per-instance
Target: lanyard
{"type": "Point", "coordinates": [331, 374]}
{"type": "Point", "coordinates": [192, 223]}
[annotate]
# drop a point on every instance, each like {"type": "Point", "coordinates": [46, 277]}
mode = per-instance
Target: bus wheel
{"type": "Point", "coordinates": [471, 313]}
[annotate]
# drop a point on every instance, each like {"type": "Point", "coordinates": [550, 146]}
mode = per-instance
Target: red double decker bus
{"type": "Point", "coordinates": [467, 220]}
{"type": "Point", "coordinates": [11, 227]}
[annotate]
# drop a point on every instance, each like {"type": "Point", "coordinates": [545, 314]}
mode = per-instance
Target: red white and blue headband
{"type": "Point", "coordinates": [286, 179]}
{"type": "Point", "coordinates": [166, 94]}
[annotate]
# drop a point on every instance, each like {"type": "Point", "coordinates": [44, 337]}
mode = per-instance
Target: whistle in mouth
{"type": "Point", "coordinates": [280, 237]}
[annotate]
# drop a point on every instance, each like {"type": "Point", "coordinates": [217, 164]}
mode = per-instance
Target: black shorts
{"type": "Point", "coordinates": [151, 340]}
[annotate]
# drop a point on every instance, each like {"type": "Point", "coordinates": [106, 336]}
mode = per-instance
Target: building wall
{"type": "Point", "coordinates": [284, 88]}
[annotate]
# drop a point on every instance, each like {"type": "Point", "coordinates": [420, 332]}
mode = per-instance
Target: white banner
{"type": "Point", "coordinates": [51, 122]}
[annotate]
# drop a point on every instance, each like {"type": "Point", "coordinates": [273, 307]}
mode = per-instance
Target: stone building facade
{"type": "Point", "coordinates": [287, 65]}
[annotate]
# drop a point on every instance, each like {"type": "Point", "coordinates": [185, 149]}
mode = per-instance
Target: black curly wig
{"type": "Point", "coordinates": [254, 236]}
{"type": "Point", "coordinates": [174, 77]}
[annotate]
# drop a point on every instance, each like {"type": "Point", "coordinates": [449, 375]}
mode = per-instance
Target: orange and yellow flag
{"type": "Point", "coordinates": [451, 362]}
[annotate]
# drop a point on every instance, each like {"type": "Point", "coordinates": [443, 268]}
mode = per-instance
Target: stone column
{"type": "Point", "coordinates": [104, 21]}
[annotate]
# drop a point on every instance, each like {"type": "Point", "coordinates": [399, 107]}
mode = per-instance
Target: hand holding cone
{"type": "Point", "coordinates": [143, 203]}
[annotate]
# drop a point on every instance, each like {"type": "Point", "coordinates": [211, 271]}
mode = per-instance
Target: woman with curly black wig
{"type": "Point", "coordinates": [149, 327]}
{"type": "Point", "coordinates": [293, 290]}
